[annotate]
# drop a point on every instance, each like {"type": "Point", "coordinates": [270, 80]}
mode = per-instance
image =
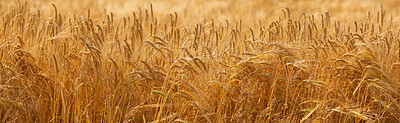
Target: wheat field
{"type": "Point", "coordinates": [200, 61]}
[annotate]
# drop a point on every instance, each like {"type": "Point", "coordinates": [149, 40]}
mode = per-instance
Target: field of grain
{"type": "Point", "coordinates": [200, 61]}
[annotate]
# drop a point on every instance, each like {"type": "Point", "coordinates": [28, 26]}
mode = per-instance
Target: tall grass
{"type": "Point", "coordinates": [147, 67]}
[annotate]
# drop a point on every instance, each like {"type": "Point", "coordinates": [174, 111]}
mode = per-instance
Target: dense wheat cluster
{"type": "Point", "coordinates": [199, 61]}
